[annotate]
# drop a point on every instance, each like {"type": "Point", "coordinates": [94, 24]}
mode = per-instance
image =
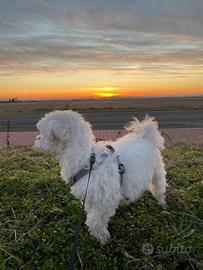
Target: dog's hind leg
{"type": "Point", "coordinates": [158, 185]}
{"type": "Point", "coordinates": [97, 222]}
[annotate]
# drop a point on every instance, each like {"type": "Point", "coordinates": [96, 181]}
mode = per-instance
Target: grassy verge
{"type": "Point", "coordinates": [38, 216]}
{"type": "Point", "coordinates": [105, 109]}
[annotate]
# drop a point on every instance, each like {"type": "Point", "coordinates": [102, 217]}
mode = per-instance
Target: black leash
{"type": "Point", "coordinates": [82, 211]}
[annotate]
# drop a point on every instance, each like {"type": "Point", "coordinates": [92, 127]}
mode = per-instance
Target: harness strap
{"type": "Point", "coordinates": [78, 176]}
{"type": "Point", "coordinates": [121, 167]}
{"type": "Point", "coordinates": [84, 171]}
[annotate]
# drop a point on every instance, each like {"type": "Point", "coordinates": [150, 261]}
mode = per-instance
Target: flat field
{"type": "Point", "coordinates": [158, 103]}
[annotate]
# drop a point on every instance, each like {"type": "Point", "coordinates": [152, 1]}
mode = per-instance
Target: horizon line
{"type": "Point", "coordinates": [16, 99]}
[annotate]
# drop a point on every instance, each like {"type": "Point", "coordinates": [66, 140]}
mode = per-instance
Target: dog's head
{"type": "Point", "coordinates": [59, 129]}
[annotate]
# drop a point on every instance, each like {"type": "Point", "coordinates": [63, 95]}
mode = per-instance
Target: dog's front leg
{"type": "Point", "coordinates": [97, 222]}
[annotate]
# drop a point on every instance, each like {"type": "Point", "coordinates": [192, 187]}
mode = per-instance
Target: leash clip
{"type": "Point", "coordinates": [121, 168]}
{"type": "Point", "coordinates": [92, 159]}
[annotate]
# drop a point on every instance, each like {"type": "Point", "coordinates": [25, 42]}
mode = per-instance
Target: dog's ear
{"type": "Point", "coordinates": [59, 129]}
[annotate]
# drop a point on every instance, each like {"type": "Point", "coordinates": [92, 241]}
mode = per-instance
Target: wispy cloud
{"type": "Point", "coordinates": [57, 51]}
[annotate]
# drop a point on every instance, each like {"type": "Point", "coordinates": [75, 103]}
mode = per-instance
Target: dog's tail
{"type": "Point", "coordinates": [147, 129]}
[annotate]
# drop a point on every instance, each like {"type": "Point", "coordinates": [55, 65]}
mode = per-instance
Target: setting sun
{"type": "Point", "coordinates": [106, 92]}
{"type": "Point", "coordinates": [107, 95]}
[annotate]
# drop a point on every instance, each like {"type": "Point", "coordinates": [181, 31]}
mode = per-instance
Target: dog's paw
{"type": "Point", "coordinates": [163, 207]}
{"type": "Point", "coordinates": [103, 237]}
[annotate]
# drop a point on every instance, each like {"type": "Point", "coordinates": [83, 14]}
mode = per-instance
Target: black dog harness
{"type": "Point", "coordinates": [80, 174]}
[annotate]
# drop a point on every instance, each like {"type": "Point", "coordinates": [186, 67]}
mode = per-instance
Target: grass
{"type": "Point", "coordinates": [38, 216]}
{"type": "Point", "coordinates": [104, 109]}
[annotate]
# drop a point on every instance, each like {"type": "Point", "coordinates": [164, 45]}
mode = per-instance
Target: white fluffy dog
{"type": "Point", "coordinates": [69, 137]}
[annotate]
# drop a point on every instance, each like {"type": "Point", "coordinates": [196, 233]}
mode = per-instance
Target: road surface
{"type": "Point", "coordinates": [111, 119]}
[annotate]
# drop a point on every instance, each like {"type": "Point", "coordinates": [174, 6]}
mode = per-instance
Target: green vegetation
{"type": "Point", "coordinates": [38, 216]}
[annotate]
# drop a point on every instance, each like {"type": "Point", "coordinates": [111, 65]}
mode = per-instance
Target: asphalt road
{"type": "Point", "coordinates": [111, 119]}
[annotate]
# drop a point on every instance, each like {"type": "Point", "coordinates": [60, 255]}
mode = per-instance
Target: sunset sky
{"type": "Point", "coordinates": [100, 48]}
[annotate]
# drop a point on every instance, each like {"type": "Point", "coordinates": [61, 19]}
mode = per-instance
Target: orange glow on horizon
{"type": "Point", "coordinates": [95, 84]}
{"type": "Point", "coordinates": [87, 94]}
{"type": "Point", "coordinates": [106, 92]}
{"type": "Point", "coordinates": [140, 90]}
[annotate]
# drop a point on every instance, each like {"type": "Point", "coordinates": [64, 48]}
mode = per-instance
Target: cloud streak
{"type": "Point", "coordinates": [61, 52]}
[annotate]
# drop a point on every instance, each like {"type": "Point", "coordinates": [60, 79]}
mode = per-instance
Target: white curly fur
{"type": "Point", "coordinates": [68, 136]}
